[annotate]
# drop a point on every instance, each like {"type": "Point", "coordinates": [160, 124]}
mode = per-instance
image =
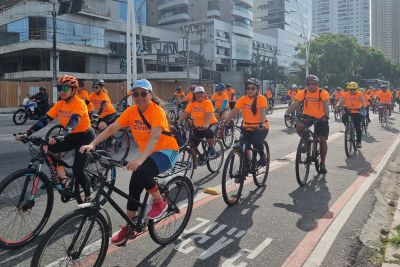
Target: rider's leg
{"type": "Point", "coordinates": [357, 117]}
{"type": "Point", "coordinates": [300, 128]}
{"type": "Point", "coordinates": [322, 131]}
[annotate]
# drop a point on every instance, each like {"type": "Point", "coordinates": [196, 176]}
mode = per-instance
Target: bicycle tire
{"type": "Point", "coordinates": [187, 158]}
{"type": "Point", "coordinates": [289, 121]}
{"type": "Point", "coordinates": [261, 182]}
{"type": "Point", "coordinates": [155, 227]}
{"type": "Point", "coordinates": [7, 243]}
{"type": "Point", "coordinates": [172, 115]}
{"type": "Point", "coordinates": [228, 138]}
{"type": "Point", "coordinates": [117, 144]}
{"type": "Point", "coordinates": [302, 181]}
{"type": "Point", "coordinates": [229, 177]}
{"type": "Point", "coordinates": [79, 215]}
{"type": "Point", "coordinates": [337, 115]}
{"type": "Point", "coordinates": [348, 144]}
{"type": "Point", "coordinates": [220, 157]}
{"type": "Point", "coordinates": [316, 157]}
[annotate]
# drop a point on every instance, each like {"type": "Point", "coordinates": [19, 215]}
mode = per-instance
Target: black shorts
{"type": "Point", "coordinates": [200, 134]}
{"type": "Point", "coordinates": [321, 128]}
{"type": "Point", "coordinates": [108, 119]}
{"type": "Point", "coordinates": [232, 105]}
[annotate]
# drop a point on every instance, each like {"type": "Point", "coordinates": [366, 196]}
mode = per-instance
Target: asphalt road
{"type": "Point", "coordinates": [266, 228]}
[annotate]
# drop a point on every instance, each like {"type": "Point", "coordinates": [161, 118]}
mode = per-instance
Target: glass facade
{"type": "Point", "coordinates": [141, 13]}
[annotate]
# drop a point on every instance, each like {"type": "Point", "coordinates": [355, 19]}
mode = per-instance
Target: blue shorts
{"type": "Point", "coordinates": [165, 159]}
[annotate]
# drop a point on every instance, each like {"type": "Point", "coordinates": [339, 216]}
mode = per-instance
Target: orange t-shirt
{"type": "Point", "coordinates": [198, 110]}
{"type": "Point", "coordinates": [268, 94]}
{"type": "Point", "coordinates": [62, 111]}
{"type": "Point", "coordinates": [84, 95]}
{"type": "Point", "coordinates": [188, 97]}
{"type": "Point", "coordinates": [219, 100]}
{"type": "Point", "coordinates": [372, 93]}
{"type": "Point", "coordinates": [249, 119]}
{"type": "Point", "coordinates": [313, 102]}
{"type": "Point", "coordinates": [179, 95]}
{"type": "Point", "coordinates": [337, 95]}
{"type": "Point", "coordinates": [231, 92]}
{"type": "Point", "coordinates": [156, 117]}
{"type": "Point", "coordinates": [384, 97]}
{"type": "Point", "coordinates": [292, 93]}
{"type": "Point", "coordinates": [367, 99]}
{"type": "Point", "coordinates": [97, 99]}
{"type": "Point", "coordinates": [352, 102]}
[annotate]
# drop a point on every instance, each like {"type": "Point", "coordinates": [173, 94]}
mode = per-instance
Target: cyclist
{"type": "Point", "coordinates": [158, 151]}
{"type": "Point", "coordinates": [269, 95]}
{"type": "Point", "coordinates": [384, 96]}
{"type": "Point", "coordinates": [231, 95]}
{"type": "Point", "coordinates": [201, 110]}
{"type": "Point", "coordinates": [102, 103]}
{"type": "Point", "coordinates": [71, 112]}
{"type": "Point", "coordinates": [253, 107]}
{"type": "Point", "coordinates": [315, 102]}
{"type": "Point", "coordinates": [84, 95]}
{"type": "Point", "coordinates": [42, 101]}
{"type": "Point", "coordinates": [178, 95]}
{"type": "Point", "coordinates": [354, 101]}
{"type": "Point", "coordinates": [367, 103]}
{"type": "Point", "coordinates": [292, 92]}
{"type": "Point", "coordinates": [189, 96]}
{"type": "Point", "coordinates": [220, 101]}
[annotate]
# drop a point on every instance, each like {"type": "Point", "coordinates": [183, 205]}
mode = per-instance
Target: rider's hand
{"type": "Point", "coordinates": [86, 148]}
{"type": "Point", "coordinates": [19, 137]}
{"type": "Point", "coordinates": [133, 165]}
{"type": "Point", "coordinates": [52, 141]}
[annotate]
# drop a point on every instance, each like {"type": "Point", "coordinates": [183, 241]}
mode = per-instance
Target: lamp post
{"type": "Point", "coordinates": [306, 38]}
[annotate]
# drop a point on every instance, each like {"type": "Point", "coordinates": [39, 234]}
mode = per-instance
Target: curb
{"type": "Point", "coordinates": [390, 260]}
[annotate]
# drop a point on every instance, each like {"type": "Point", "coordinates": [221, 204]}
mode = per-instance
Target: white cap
{"type": "Point", "coordinates": [199, 89]}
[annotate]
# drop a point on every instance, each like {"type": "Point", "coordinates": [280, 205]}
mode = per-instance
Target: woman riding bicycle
{"type": "Point", "coordinates": [201, 111]}
{"type": "Point", "coordinates": [220, 101]}
{"type": "Point", "coordinates": [158, 151]}
{"type": "Point", "coordinates": [102, 103]}
{"type": "Point", "coordinates": [72, 113]}
{"type": "Point", "coordinates": [253, 107]}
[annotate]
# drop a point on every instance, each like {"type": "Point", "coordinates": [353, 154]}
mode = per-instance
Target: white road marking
{"type": "Point", "coordinates": [259, 249]}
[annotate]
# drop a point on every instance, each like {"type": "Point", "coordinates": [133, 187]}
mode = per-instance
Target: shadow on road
{"type": "Point", "coordinates": [357, 162]}
{"type": "Point", "coordinates": [368, 138]}
{"type": "Point", "coordinates": [16, 256]}
{"type": "Point", "coordinates": [310, 202]}
{"type": "Point", "coordinates": [289, 131]}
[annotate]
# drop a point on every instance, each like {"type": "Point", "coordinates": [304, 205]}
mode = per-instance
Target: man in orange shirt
{"type": "Point", "coordinates": [384, 96]}
{"type": "Point", "coordinates": [231, 95]}
{"type": "Point", "coordinates": [315, 111]}
{"type": "Point", "coordinates": [84, 95]}
{"type": "Point", "coordinates": [292, 93]}
{"type": "Point", "coordinates": [101, 101]}
{"type": "Point", "coordinates": [220, 101]}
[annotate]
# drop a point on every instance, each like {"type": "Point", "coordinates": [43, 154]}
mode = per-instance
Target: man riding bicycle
{"type": "Point", "coordinates": [354, 102]}
{"type": "Point", "coordinates": [220, 102]}
{"type": "Point", "coordinates": [101, 101]}
{"type": "Point", "coordinates": [292, 92]}
{"type": "Point", "coordinates": [367, 103]}
{"type": "Point", "coordinates": [269, 95]}
{"type": "Point", "coordinates": [384, 97]}
{"type": "Point", "coordinates": [315, 111]}
{"type": "Point", "coordinates": [84, 95]}
{"type": "Point", "coordinates": [179, 95]}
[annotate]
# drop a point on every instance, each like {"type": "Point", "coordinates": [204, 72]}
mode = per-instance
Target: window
{"type": "Point", "coordinates": [123, 10]}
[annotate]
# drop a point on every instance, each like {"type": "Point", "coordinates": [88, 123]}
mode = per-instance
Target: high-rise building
{"type": "Point", "coordinates": [349, 17]}
{"type": "Point", "coordinates": [386, 28]}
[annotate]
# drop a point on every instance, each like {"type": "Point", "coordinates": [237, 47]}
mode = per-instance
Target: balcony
{"type": "Point", "coordinates": [96, 12]}
{"type": "Point", "coordinates": [164, 4]}
{"type": "Point", "coordinates": [175, 18]}
{"type": "Point", "coordinates": [242, 12]}
{"type": "Point", "coordinates": [213, 13]}
{"type": "Point", "coordinates": [242, 29]}
{"type": "Point", "coordinates": [247, 2]}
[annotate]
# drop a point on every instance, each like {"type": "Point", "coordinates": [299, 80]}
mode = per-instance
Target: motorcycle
{"type": "Point", "coordinates": [27, 111]}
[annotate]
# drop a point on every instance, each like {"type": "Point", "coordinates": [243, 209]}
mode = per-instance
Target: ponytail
{"type": "Point", "coordinates": [254, 106]}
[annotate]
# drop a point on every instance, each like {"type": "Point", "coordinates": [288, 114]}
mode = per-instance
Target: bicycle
{"type": "Point", "coordinates": [309, 149]}
{"type": "Point", "coordinates": [243, 157]}
{"type": "Point", "coordinates": [226, 133]}
{"type": "Point", "coordinates": [270, 108]}
{"type": "Point", "coordinates": [123, 104]}
{"type": "Point", "coordinates": [292, 119]}
{"type": "Point", "coordinates": [28, 193]}
{"type": "Point", "coordinates": [383, 114]}
{"type": "Point", "coordinates": [364, 125]}
{"type": "Point", "coordinates": [173, 114]}
{"type": "Point", "coordinates": [338, 113]}
{"type": "Point", "coordinates": [350, 137]}
{"type": "Point", "coordinates": [82, 236]}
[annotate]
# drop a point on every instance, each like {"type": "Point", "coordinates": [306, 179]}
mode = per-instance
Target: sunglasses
{"type": "Point", "coordinates": [251, 88]}
{"type": "Point", "coordinates": [142, 94]}
{"type": "Point", "coordinates": [95, 86]}
{"type": "Point", "coordinates": [63, 88]}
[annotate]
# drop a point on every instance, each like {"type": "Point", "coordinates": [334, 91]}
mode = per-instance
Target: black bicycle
{"type": "Point", "coordinates": [384, 113]}
{"type": "Point", "coordinates": [82, 237]}
{"type": "Point", "coordinates": [27, 195]}
{"type": "Point", "coordinates": [350, 136]}
{"type": "Point", "coordinates": [307, 153]}
{"type": "Point", "coordinates": [226, 133]}
{"type": "Point", "coordinates": [241, 162]}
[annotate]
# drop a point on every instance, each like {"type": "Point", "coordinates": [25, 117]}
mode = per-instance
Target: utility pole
{"type": "Point", "coordinates": [54, 15]}
{"type": "Point", "coordinates": [131, 43]}
{"type": "Point", "coordinates": [187, 60]}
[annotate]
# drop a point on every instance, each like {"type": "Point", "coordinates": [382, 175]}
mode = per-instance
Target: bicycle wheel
{"type": "Point", "coordinates": [78, 230]}
{"type": "Point", "coordinates": [185, 162]}
{"type": "Point", "coordinates": [348, 142]}
{"type": "Point", "coordinates": [228, 136]}
{"type": "Point", "coordinates": [289, 121]}
{"type": "Point", "coordinates": [236, 119]}
{"type": "Point", "coordinates": [57, 130]}
{"type": "Point", "coordinates": [261, 175]}
{"type": "Point", "coordinates": [215, 163]}
{"type": "Point", "coordinates": [303, 162]}
{"type": "Point", "coordinates": [171, 115]}
{"type": "Point", "coordinates": [178, 192]}
{"type": "Point", "coordinates": [118, 145]}
{"type": "Point", "coordinates": [316, 156]}
{"type": "Point", "coordinates": [23, 218]}
{"type": "Point", "coordinates": [232, 182]}
{"type": "Point", "coordinates": [337, 115]}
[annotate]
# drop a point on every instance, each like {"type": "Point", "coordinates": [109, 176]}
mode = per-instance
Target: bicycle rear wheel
{"type": "Point", "coordinates": [289, 121]}
{"type": "Point", "coordinates": [348, 142]}
{"type": "Point", "coordinates": [23, 218]}
{"type": "Point", "coordinates": [228, 135]}
{"type": "Point", "coordinates": [232, 180]}
{"type": "Point", "coordinates": [178, 192]}
{"type": "Point", "coordinates": [118, 145]}
{"type": "Point", "coordinates": [215, 163]}
{"type": "Point", "coordinates": [171, 115]}
{"type": "Point", "coordinates": [303, 162]}
{"type": "Point", "coordinates": [185, 162]}
{"type": "Point", "coordinates": [261, 175]}
{"type": "Point", "coordinates": [76, 239]}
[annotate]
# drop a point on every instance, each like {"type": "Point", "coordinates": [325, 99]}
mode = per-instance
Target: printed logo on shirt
{"type": "Point", "coordinates": [140, 126]}
{"type": "Point", "coordinates": [63, 114]}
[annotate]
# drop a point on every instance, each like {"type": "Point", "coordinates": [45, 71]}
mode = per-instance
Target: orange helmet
{"type": "Point", "coordinates": [68, 79]}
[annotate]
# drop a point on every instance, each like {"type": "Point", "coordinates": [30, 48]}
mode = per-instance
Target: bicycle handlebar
{"type": "Point", "coordinates": [37, 141]}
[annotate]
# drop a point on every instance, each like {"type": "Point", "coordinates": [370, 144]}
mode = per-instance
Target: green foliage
{"type": "Point", "coordinates": [337, 59]}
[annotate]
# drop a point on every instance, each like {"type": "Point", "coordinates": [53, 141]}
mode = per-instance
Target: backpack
{"type": "Point", "coordinates": [175, 131]}
{"type": "Point", "coordinates": [305, 94]}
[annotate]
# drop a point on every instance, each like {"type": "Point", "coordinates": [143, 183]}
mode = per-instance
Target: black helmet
{"type": "Point", "coordinates": [253, 81]}
{"type": "Point", "coordinates": [228, 85]}
{"type": "Point", "coordinates": [98, 82]}
{"type": "Point", "coordinates": [312, 79]}
{"type": "Point", "coordinates": [81, 83]}
{"type": "Point", "coordinates": [178, 87]}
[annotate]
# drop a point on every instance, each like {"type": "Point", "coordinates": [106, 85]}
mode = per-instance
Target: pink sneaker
{"type": "Point", "coordinates": [157, 209]}
{"type": "Point", "coordinates": [120, 238]}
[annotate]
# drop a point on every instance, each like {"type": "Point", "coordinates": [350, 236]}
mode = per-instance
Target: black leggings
{"type": "Point", "coordinates": [142, 178]}
{"type": "Point", "coordinates": [75, 141]}
{"type": "Point", "coordinates": [256, 138]}
{"type": "Point", "coordinates": [357, 118]}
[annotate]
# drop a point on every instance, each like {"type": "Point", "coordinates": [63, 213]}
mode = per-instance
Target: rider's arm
{"type": "Point", "coordinates": [263, 111]}
{"type": "Point", "coordinates": [224, 105]}
{"type": "Point", "coordinates": [183, 116]}
{"type": "Point", "coordinates": [39, 125]}
{"type": "Point", "coordinates": [110, 130]}
{"type": "Point", "coordinates": [71, 125]}
{"type": "Point", "coordinates": [232, 114]}
{"type": "Point", "coordinates": [325, 105]}
{"type": "Point", "coordinates": [207, 119]}
{"type": "Point", "coordinates": [294, 106]}
{"type": "Point", "coordinates": [340, 103]}
{"type": "Point", "coordinates": [102, 107]}
{"type": "Point", "coordinates": [362, 99]}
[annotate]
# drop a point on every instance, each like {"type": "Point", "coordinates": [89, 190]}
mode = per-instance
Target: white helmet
{"type": "Point", "coordinates": [199, 89]}
{"type": "Point", "coordinates": [294, 86]}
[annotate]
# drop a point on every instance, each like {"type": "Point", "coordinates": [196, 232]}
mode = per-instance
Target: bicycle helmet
{"type": "Point", "coordinates": [192, 87]}
{"type": "Point", "coordinates": [42, 89]}
{"type": "Point", "coordinates": [220, 87]}
{"type": "Point", "coordinates": [143, 83]}
{"type": "Point", "coordinates": [253, 81]}
{"type": "Point", "coordinates": [312, 79]}
{"type": "Point", "coordinates": [68, 79]}
{"type": "Point", "coordinates": [383, 86]}
{"type": "Point", "coordinates": [228, 85]}
{"type": "Point", "coordinates": [352, 86]}
{"type": "Point", "coordinates": [294, 86]}
{"type": "Point", "coordinates": [361, 90]}
{"type": "Point", "coordinates": [178, 87]}
{"type": "Point", "coordinates": [199, 89]}
{"type": "Point", "coordinates": [98, 82]}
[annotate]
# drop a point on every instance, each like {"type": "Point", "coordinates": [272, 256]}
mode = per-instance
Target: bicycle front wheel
{"type": "Point", "coordinates": [171, 115]}
{"type": "Point", "coordinates": [228, 135]}
{"type": "Point", "coordinates": [303, 162]}
{"type": "Point", "coordinates": [215, 163]}
{"type": "Point", "coordinates": [76, 239]}
{"type": "Point", "coordinates": [118, 145]}
{"type": "Point", "coordinates": [232, 180]}
{"type": "Point", "coordinates": [178, 192]}
{"type": "Point", "coordinates": [289, 121]}
{"type": "Point", "coordinates": [261, 175]}
{"type": "Point", "coordinates": [22, 214]}
{"type": "Point", "coordinates": [185, 162]}
{"type": "Point", "coordinates": [348, 142]}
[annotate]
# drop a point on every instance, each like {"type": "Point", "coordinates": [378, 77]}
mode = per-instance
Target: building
{"type": "Point", "coordinates": [386, 28]}
{"type": "Point", "coordinates": [287, 21]}
{"type": "Point", "coordinates": [349, 17]}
